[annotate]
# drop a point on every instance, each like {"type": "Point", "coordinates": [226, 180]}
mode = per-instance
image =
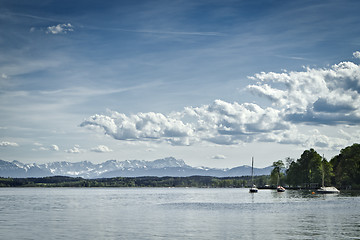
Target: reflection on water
{"type": "Point", "coordinates": [177, 213]}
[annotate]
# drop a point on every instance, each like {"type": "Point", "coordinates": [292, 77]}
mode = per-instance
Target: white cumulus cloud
{"type": "Point", "coordinates": [356, 54]}
{"type": "Point", "coordinates": [76, 149]}
{"type": "Point", "coordinates": [220, 122]}
{"type": "Point", "coordinates": [101, 149]}
{"type": "Point", "coordinates": [60, 28]}
{"type": "Point", "coordinates": [317, 96]}
{"type": "Point", "coordinates": [142, 126]}
{"type": "Point", "coordinates": [8, 144]}
{"type": "Point", "coordinates": [54, 148]}
{"type": "Point", "coordinates": [41, 147]}
{"type": "Point", "coordinates": [312, 97]}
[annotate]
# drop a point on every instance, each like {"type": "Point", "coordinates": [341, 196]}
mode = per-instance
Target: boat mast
{"type": "Point", "coordinates": [323, 172]}
{"type": "Point", "coordinates": [252, 171]}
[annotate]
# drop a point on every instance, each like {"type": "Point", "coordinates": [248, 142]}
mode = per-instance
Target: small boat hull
{"type": "Point", "coordinates": [280, 189]}
{"type": "Point", "coordinates": [328, 190]}
{"type": "Point", "coordinates": [254, 189]}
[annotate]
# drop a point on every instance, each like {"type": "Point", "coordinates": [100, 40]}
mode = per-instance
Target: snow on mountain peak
{"type": "Point", "coordinates": [169, 166]}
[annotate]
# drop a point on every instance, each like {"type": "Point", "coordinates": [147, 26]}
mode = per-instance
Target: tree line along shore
{"type": "Point", "coordinates": [307, 172]}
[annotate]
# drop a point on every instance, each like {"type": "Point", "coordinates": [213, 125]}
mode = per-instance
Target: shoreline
{"type": "Point", "coordinates": [148, 182]}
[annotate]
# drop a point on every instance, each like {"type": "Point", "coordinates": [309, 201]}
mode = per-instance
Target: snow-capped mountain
{"type": "Point", "coordinates": [113, 168]}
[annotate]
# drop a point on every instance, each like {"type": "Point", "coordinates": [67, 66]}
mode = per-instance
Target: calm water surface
{"type": "Point", "coordinates": [176, 213]}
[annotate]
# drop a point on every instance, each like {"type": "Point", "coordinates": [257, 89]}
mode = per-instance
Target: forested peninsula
{"type": "Point", "coordinates": [342, 171]}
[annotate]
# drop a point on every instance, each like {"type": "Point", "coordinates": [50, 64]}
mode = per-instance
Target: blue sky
{"type": "Point", "coordinates": [210, 82]}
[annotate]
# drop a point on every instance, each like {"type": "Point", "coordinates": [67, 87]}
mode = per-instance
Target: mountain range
{"type": "Point", "coordinates": [114, 168]}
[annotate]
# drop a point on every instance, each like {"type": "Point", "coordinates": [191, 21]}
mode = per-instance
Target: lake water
{"type": "Point", "coordinates": [175, 213]}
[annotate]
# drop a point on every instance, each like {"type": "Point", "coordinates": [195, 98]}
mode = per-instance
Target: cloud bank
{"type": "Point", "coordinates": [313, 97]}
{"type": "Point", "coordinates": [142, 126]}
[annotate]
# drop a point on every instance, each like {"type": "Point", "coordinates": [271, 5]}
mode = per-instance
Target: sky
{"type": "Point", "coordinates": [214, 83]}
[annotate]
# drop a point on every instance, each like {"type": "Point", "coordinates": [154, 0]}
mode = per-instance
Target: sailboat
{"type": "Point", "coordinates": [324, 189]}
{"type": "Point", "coordinates": [253, 189]}
{"type": "Point", "coordinates": [279, 188]}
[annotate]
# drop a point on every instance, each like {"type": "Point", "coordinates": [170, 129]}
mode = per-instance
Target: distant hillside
{"type": "Point", "coordinates": [130, 168]}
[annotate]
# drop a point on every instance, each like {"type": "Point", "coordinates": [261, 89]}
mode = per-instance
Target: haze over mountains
{"type": "Point", "coordinates": [114, 168]}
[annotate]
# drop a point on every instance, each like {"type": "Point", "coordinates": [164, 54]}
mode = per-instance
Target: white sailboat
{"type": "Point", "coordinates": [253, 189]}
{"type": "Point", "coordinates": [324, 189]}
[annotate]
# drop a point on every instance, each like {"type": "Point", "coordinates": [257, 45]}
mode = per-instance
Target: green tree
{"type": "Point", "coordinates": [288, 162]}
{"type": "Point", "coordinates": [276, 174]}
{"type": "Point", "coordinates": [347, 167]}
{"type": "Point", "coordinates": [306, 170]}
{"type": "Point", "coordinates": [328, 172]}
{"type": "Point", "coordinates": [293, 174]}
{"type": "Point", "coordinates": [310, 166]}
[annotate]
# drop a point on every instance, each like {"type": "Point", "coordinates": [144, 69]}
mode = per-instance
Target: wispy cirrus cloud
{"type": "Point", "coordinates": [219, 156]}
{"type": "Point", "coordinates": [42, 18]}
{"type": "Point", "coordinates": [158, 31]}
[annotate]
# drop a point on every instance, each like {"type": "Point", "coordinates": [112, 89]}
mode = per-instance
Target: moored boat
{"type": "Point", "coordinates": [280, 189]}
{"type": "Point", "coordinates": [253, 189]}
{"type": "Point", "coordinates": [327, 190]}
{"type": "Point", "coordinates": [324, 189]}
